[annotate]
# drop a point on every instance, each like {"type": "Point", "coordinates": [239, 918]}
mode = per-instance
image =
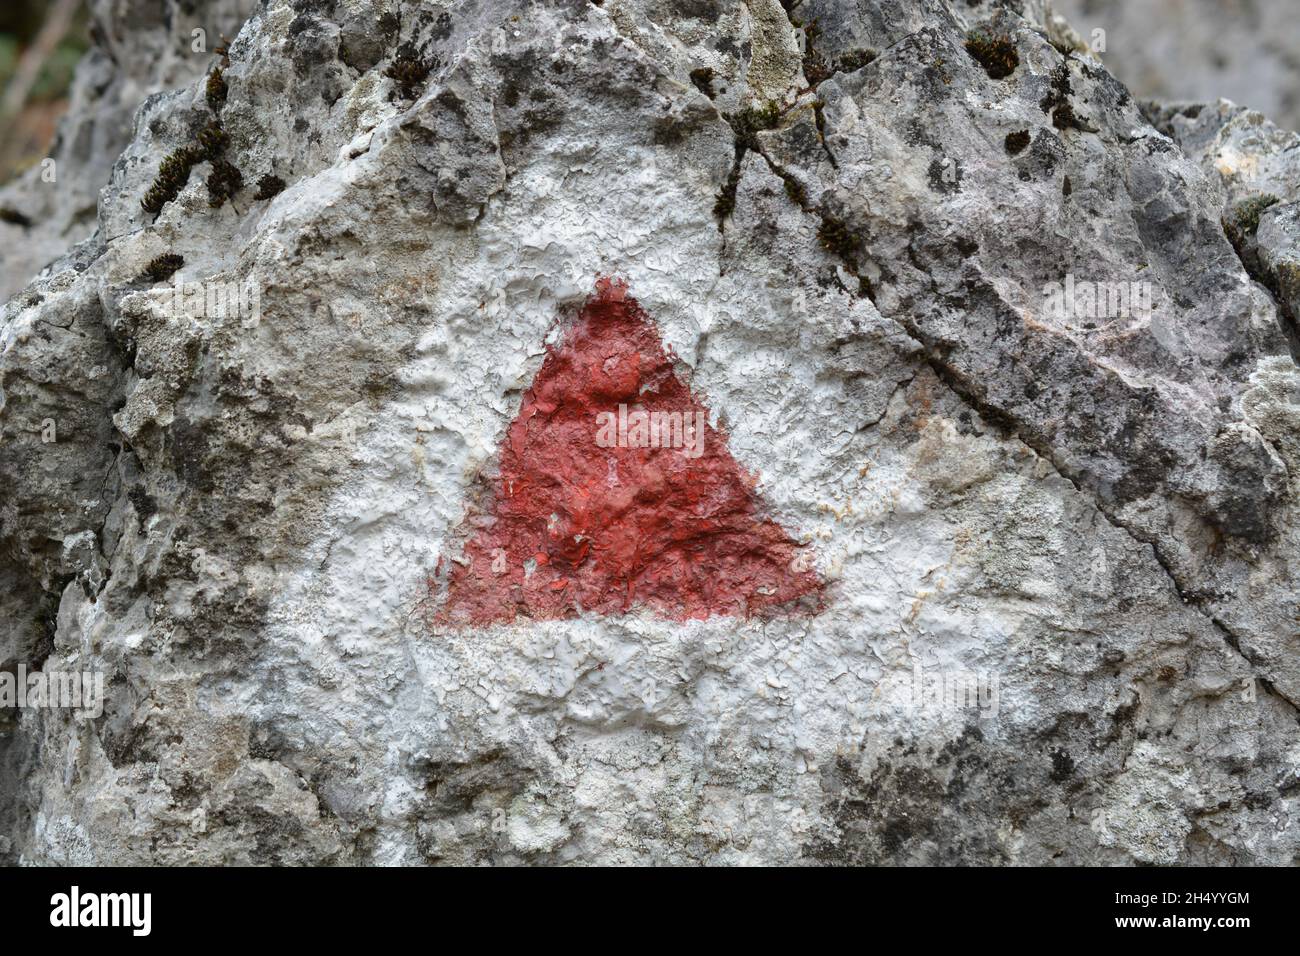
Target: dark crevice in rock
{"type": "Point", "coordinates": [1241, 226]}
{"type": "Point", "coordinates": [841, 243]}
{"type": "Point", "coordinates": [725, 203]}
{"type": "Point", "coordinates": [1233, 641]}
{"type": "Point", "coordinates": [872, 423]}
{"type": "Point", "coordinates": [745, 126]}
{"type": "Point", "coordinates": [836, 236]}
{"type": "Point", "coordinates": [819, 118]}
{"type": "Point", "coordinates": [833, 233]}
{"type": "Point", "coordinates": [702, 80]}
{"type": "Point", "coordinates": [818, 67]}
{"type": "Point", "coordinates": [1010, 427]}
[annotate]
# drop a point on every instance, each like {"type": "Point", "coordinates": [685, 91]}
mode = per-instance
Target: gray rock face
{"type": "Point", "coordinates": [1199, 50]}
{"type": "Point", "coordinates": [1001, 346]}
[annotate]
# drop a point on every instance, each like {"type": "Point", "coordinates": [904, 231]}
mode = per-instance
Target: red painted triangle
{"type": "Point", "coordinates": [595, 510]}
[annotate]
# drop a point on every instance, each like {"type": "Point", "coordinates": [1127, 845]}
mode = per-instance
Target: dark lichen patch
{"type": "Point", "coordinates": [1240, 225]}
{"type": "Point", "coordinates": [161, 268]}
{"type": "Point", "coordinates": [945, 175]}
{"type": "Point", "coordinates": [725, 203]}
{"type": "Point", "coordinates": [1017, 142]}
{"type": "Point", "coordinates": [1057, 102]}
{"type": "Point", "coordinates": [312, 44]}
{"type": "Point", "coordinates": [838, 239]}
{"type": "Point", "coordinates": [14, 217]}
{"type": "Point", "coordinates": [795, 190]}
{"type": "Point", "coordinates": [223, 182]}
{"type": "Point", "coordinates": [216, 90]}
{"type": "Point", "coordinates": [1045, 156]}
{"type": "Point", "coordinates": [523, 116]}
{"type": "Point", "coordinates": [213, 140]}
{"type": "Point", "coordinates": [1064, 117]}
{"type": "Point", "coordinates": [751, 121]}
{"type": "Point", "coordinates": [994, 51]}
{"type": "Point", "coordinates": [531, 123]}
{"type": "Point", "coordinates": [855, 60]}
{"type": "Point", "coordinates": [1067, 187]}
{"type": "Point", "coordinates": [936, 807]}
{"type": "Point", "coordinates": [173, 174]}
{"type": "Point", "coordinates": [409, 70]}
{"type": "Point", "coordinates": [673, 128]}
{"type": "Point", "coordinates": [441, 30]}
{"type": "Point", "coordinates": [818, 67]}
{"type": "Point", "coordinates": [1244, 218]}
{"type": "Point", "coordinates": [268, 186]}
{"type": "Point", "coordinates": [702, 79]}
{"type": "Point", "coordinates": [1059, 89]}
{"type": "Point", "coordinates": [1062, 766]}
{"type": "Point", "coordinates": [144, 503]}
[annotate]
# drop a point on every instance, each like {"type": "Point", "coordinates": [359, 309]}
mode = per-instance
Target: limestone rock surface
{"type": "Point", "coordinates": [850, 222]}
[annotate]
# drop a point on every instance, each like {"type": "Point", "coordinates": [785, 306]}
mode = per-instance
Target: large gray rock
{"type": "Point", "coordinates": [853, 233]}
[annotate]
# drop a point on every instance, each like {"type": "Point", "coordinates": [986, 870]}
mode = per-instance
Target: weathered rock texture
{"type": "Point", "coordinates": [843, 218]}
{"type": "Point", "coordinates": [140, 48]}
{"type": "Point", "coordinates": [1244, 50]}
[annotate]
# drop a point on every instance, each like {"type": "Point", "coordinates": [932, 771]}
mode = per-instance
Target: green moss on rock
{"type": "Point", "coordinates": [996, 52]}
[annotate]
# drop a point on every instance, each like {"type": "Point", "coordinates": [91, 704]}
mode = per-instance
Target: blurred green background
{"type": "Point", "coordinates": [30, 109]}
